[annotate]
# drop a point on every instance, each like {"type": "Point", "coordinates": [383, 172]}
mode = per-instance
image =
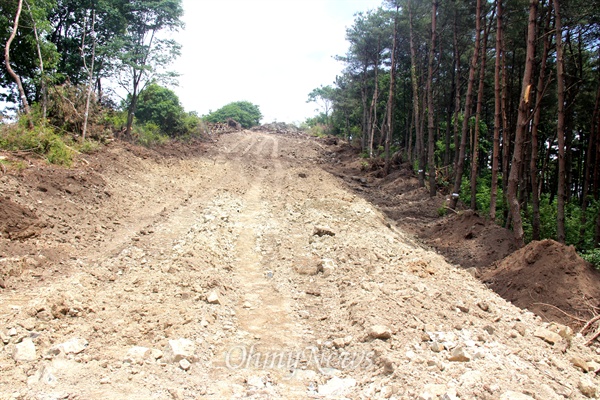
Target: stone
{"type": "Point", "coordinates": [432, 392]}
{"type": "Point", "coordinates": [564, 331]}
{"type": "Point", "coordinates": [323, 231]}
{"type": "Point", "coordinates": [12, 332]}
{"type": "Point", "coordinates": [336, 386]}
{"type": "Point", "coordinates": [156, 354]}
{"type": "Point", "coordinates": [380, 332]}
{"type": "Point", "coordinates": [43, 375]}
{"type": "Point", "coordinates": [437, 347]}
{"type": "Point", "coordinates": [520, 328]}
{"type": "Point", "coordinates": [3, 338]}
{"type": "Point", "coordinates": [483, 306]}
{"type": "Point", "coordinates": [247, 304]}
{"type": "Point", "coordinates": [255, 382]}
{"type": "Point", "coordinates": [137, 355]}
{"type": "Point", "coordinates": [339, 343]}
{"type": "Point", "coordinates": [177, 350]}
{"type": "Point", "coordinates": [185, 365]}
{"type": "Point", "coordinates": [510, 395]}
{"type": "Point", "coordinates": [73, 346]}
{"type": "Point", "coordinates": [489, 329]}
{"type": "Point", "coordinates": [548, 336]}
{"type": "Point", "coordinates": [24, 351]}
{"type": "Point", "coordinates": [327, 266]}
{"type": "Point", "coordinates": [463, 308]}
{"type": "Point", "coordinates": [587, 387]}
{"type": "Point", "coordinates": [306, 267]}
{"type": "Point", "coordinates": [213, 298]}
{"type": "Point", "coordinates": [459, 354]}
{"type": "Point", "coordinates": [580, 363]}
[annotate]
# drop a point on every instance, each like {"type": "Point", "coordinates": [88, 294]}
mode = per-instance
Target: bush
{"type": "Point", "coordinates": [149, 134]}
{"type": "Point", "coordinates": [592, 256]}
{"type": "Point", "coordinates": [244, 112]}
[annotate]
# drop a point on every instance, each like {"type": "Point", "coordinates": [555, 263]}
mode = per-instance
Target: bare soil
{"type": "Point", "coordinates": [269, 255]}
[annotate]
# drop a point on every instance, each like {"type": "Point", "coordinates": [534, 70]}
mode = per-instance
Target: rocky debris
{"type": "Point", "coordinates": [25, 351]}
{"type": "Point", "coordinates": [73, 346]}
{"type": "Point", "coordinates": [179, 349]}
{"type": "Point", "coordinates": [587, 387]}
{"type": "Point", "coordinates": [279, 128]}
{"type": "Point", "coordinates": [459, 354]}
{"type": "Point", "coordinates": [336, 386]}
{"type": "Point", "coordinates": [580, 363]}
{"type": "Point", "coordinates": [138, 354]}
{"type": "Point", "coordinates": [510, 395]}
{"type": "Point", "coordinates": [44, 375]}
{"type": "Point", "coordinates": [327, 266]}
{"type": "Point", "coordinates": [437, 391]}
{"type": "Point", "coordinates": [213, 298]}
{"type": "Point", "coordinates": [380, 332]}
{"type": "Point", "coordinates": [548, 335]}
{"type": "Point", "coordinates": [185, 365]}
{"type": "Point", "coordinates": [323, 231]}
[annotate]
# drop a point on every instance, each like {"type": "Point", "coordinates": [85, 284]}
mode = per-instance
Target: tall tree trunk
{"type": "Point", "coordinates": [535, 193]}
{"type": "Point", "coordinates": [373, 112]}
{"type": "Point", "coordinates": [90, 85]}
{"type": "Point", "coordinates": [497, 111]}
{"type": "Point", "coordinates": [430, 110]}
{"type": "Point", "coordinates": [475, 157]}
{"type": "Point", "coordinates": [41, 60]}
{"type": "Point", "coordinates": [390, 105]}
{"type": "Point", "coordinates": [457, 91]}
{"type": "Point", "coordinates": [415, 89]}
{"type": "Point", "coordinates": [9, 69]}
{"type": "Point", "coordinates": [522, 122]}
{"type": "Point", "coordinates": [560, 212]}
{"type": "Point", "coordinates": [459, 168]}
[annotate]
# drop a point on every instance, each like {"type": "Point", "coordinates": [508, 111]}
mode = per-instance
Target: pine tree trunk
{"type": "Point", "coordinates": [390, 105]}
{"type": "Point", "coordinates": [415, 88]}
{"type": "Point", "coordinates": [497, 111]}
{"type": "Point", "coordinates": [535, 193]}
{"type": "Point", "coordinates": [459, 168]}
{"type": "Point", "coordinates": [522, 122]}
{"type": "Point", "coordinates": [475, 157]}
{"type": "Point", "coordinates": [560, 212]}
{"type": "Point", "coordinates": [430, 122]}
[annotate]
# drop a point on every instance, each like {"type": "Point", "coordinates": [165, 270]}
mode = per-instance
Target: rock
{"type": "Point", "coordinates": [483, 306]}
{"type": "Point", "coordinates": [177, 350]}
{"type": "Point", "coordinates": [587, 387]}
{"type": "Point", "coordinates": [580, 363]}
{"type": "Point", "coordinates": [307, 267]}
{"type": "Point", "coordinates": [255, 382]}
{"type": "Point", "coordinates": [213, 298]}
{"type": "Point", "coordinates": [327, 266]}
{"type": "Point", "coordinates": [247, 304]}
{"type": "Point", "coordinates": [510, 395]}
{"type": "Point", "coordinates": [388, 365]}
{"type": "Point", "coordinates": [432, 392]}
{"type": "Point", "coordinates": [463, 308]}
{"type": "Point", "coordinates": [564, 331]}
{"type": "Point", "coordinates": [548, 336]}
{"type": "Point", "coordinates": [2, 284]}
{"type": "Point", "coordinates": [185, 365]}
{"type": "Point", "coordinates": [12, 332]}
{"type": "Point", "coordinates": [339, 343]}
{"type": "Point", "coordinates": [156, 354]}
{"type": "Point", "coordinates": [336, 386]}
{"type": "Point", "coordinates": [425, 337]}
{"type": "Point", "coordinates": [520, 328]}
{"type": "Point", "coordinates": [489, 329]}
{"type": "Point", "coordinates": [137, 355]}
{"type": "Point", "coordinates": [323, 231]}
{"type": "Point", "coordinates": [459, 354]}
{"type": "Point", "coordinates": [437, 347]}
{"type": "Point", "coordinates": [380, 332]}
{"type": "Point", "coordinates": [24, 351]}
{"type": "Point", "coordinates": [3, 338]}
{"type": "Point", "coordinates": [73, 346]}
{"type": "Point", "coordinates": [44, 375]}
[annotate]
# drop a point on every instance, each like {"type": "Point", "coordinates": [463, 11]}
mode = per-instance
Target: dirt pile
{"type": "Point", "coordinates": [469, 240]}
{"type": "Point", "coordinates": [17, 222]}
{"type": "Point", "coordinates": [549, 279]}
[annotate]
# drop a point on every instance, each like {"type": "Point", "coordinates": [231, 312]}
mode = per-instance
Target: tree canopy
{"type": "Point", "coordinates": [244, 112]}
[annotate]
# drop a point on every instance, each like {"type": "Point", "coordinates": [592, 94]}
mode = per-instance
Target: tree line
{"type": "Point", "coordinates": [495, 103]}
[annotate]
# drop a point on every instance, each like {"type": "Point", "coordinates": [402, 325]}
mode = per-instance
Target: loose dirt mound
{"type": "Point", "coordinates": [545, 273]}
{"type": "Point", "coordinates": [470, 240]}
{"type": "Point", "coordinates": [17, 222]}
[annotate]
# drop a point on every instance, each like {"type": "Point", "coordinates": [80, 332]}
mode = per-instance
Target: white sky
{"type": "Point", "coordinates": [269, 52]}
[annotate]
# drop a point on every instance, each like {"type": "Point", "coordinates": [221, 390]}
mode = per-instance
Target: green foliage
{"type": "Point", "coordinates": [149, 134]}
{"type": "Point", "coordinates": [592, 256]}
{"type": "Point", "coordinates": [161, 107]}
{"type": "Point", "coordinates": [244, 112]}
{"type": "Point", "coordinates": [442, 211]}
{"type": "Point", "coordinates": [41, 140]}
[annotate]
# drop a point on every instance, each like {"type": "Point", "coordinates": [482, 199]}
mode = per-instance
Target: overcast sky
{"type": "Point", "coordinates": [269, 52]}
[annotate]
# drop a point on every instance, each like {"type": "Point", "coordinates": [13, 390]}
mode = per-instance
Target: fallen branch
{"type": "Point", "coordinates": [566, 313]}
{"type": "Point", "coordinates": [589, 324]}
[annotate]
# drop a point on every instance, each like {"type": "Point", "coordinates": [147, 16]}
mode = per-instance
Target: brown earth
{"type": "Point", "coordinates": [549, 279]}
{"type": "Point", "coordinates": [285, 280]}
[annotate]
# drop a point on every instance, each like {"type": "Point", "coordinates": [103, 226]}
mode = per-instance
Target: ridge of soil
{"type": "Point", "coordinates": [242, 268]}
{"type": "Point", "coordinates": [549, 279]}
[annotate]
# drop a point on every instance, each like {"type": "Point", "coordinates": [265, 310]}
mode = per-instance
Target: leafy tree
{"type": "Point", "coordinates": [142, 56]}
{"type": "Point", "coordinates": [244, 112]}
{"type": "Point", "coordinates": [323, 96]}
{"type": "Point", "coordinates": [161, 106]}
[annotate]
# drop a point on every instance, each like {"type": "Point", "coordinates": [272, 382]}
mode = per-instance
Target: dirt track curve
{"type": "Point", "coordinates": [282, 285]}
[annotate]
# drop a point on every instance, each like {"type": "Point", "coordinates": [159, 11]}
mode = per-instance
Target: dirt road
{"type": "Point", "coordinates": [250, 272]}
